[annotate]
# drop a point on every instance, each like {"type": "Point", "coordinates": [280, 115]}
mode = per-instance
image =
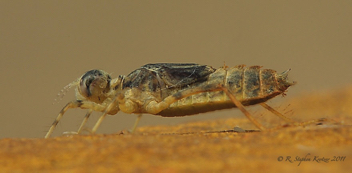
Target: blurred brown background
{"type": "Point", "coordinates": [44, 45]}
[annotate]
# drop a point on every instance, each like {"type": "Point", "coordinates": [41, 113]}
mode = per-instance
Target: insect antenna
{"type": "Point", "coordinates": [64, 91]}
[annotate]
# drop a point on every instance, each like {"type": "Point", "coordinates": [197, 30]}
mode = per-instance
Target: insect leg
{"type": "Point", "coordinates": [300, 124]}
{"type": "Point", "coordinates": [125, 105]}
{"type": "Point", "coordinates": [241, 107]}
{"type": "Point", "coordinates": [106, 110]}
{"type": "Point", "coordinates": [74, 104]}
{"type": "Point", "coordinates": [84, 121]}
{"type": "Point", "coordinates": [290, 121]}
{"type": "Point", "coordinates": [277, 113]}
{"type": "Point", "coordinates": [136, 123]}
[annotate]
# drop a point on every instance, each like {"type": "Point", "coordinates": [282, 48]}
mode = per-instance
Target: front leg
{"type": "Point", "coordinates": [75, 104]}
{"type": "Point", "coordinates": [125, 105]}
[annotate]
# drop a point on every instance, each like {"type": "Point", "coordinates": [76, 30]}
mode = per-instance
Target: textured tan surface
{"type": "Point", "coordinates": [45, 45]}
{"type": "Point", "coordinates": [200, 146]}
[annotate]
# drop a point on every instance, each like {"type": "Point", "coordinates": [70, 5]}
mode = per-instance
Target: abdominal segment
{"type": "Point", "coordinates": [250, 85]}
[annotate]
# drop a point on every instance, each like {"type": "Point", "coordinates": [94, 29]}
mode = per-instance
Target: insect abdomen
{"type": "Point", "coordinates": [250, 85]}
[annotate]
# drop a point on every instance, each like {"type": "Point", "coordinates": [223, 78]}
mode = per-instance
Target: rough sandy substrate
{"type": "Point", "coordinates": [191, 147]}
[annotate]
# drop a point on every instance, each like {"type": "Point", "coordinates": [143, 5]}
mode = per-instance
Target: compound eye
{"type": "Point", "coordinates": [89, 81]}
{"type": "Point", "coordinates": [94, 84]}
{"type": "Point", "coordinates": [85, 85]}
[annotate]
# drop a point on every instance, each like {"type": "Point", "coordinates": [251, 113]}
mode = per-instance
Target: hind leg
{"type": "Point", "coordinates": [290, 121]}
{"type": "Point", "coordinates": [240, 106]}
